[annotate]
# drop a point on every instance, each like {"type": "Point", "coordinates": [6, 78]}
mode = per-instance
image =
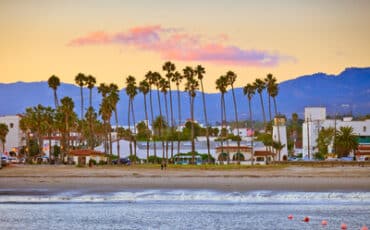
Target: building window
{"type": "Point", "coordinates": [11, 125]}
{"type": "Point", "coordinates": [364, 129]}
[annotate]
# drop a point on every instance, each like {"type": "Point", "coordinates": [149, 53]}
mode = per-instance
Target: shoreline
{"type": "Point", "coordinates": [48, 180]}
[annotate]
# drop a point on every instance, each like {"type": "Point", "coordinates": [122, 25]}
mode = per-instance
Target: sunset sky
{"type": "Point", "coordinates": [112, 39]}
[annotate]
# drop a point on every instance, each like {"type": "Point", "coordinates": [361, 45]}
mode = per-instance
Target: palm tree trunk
{"type": "Point", "coordinates": [222, 123]}
{"type": "Point", "coordinates": [166, 135]}
{"type": "Point", "coordinates": [133, 119]}
{"type": "Point", "coordinates": [117, 139]}
{"type": "Point", "coordinates": [263, 111]}
{"type": "Point", "coordinates": [147, 138]}
{"type": "Point", "coordinates": [278, 125]}
{"type": "Point", "coordinates": [82, 103]}
{"type": "Point", "coordinates": [110, 142]}
{"type": "Point", "coordinates": [270, 107]}
{"type": "Point", "coordinates": [160, 125]}
{"type": "Point", "coordinates": [151, 112]}
{"type": "Point", "coordinates": [192, 129]}
{"type": "Point", "coordinates": [129, 125]}
{"type": "Point", "coordinates": [251, 122]}
{"type": "Point", "coordinates": [206, 121]}
{"type": "Point", "coordinates": [172, 122]}
{"type": "Point", "coordinates": [179, 114]}
{"type": "Point", "coordinates": [237, 123]}
{"type": "Point", "coordinates": [56, 99]}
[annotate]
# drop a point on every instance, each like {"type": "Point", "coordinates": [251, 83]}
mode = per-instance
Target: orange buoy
{"type": "Point", "coordinates": [364, 228]}
{"type": "Point", "coordinates": [290, 217]}
{"type": "Point", "coordinates": [324, 222]}
{"type": "Point", "coordinates": [343, 226]}
{"type": "Point", "coordinates": [306, 219]}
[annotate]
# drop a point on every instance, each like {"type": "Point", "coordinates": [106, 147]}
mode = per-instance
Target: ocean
{"type": "Point", "coordinates": [184, 209]}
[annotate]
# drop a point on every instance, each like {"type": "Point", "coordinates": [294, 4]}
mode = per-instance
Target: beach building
{"type": "Point", "coordinates": [263, 157]}
{"type": "Point", "coordinates": [83, 156]}
{"type": "Point", "coordinates": [279, 134]}
{"type": "Point", "coordinates": [231, 155]}
{"type": "Point", "coordinates": [14, 139]}
{"type": "Point", "coordinates": [315, 120]}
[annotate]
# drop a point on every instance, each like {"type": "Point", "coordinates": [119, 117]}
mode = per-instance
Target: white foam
{"type": "Point", "coordinates": [195, 196]}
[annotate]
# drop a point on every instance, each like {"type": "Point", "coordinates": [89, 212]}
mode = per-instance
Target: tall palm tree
{"type": "Point", "coordinates": [54, 83]}
{"type": "Point", "coordinates": [156, 77]}
{"type": "Point", "coordinates": [144, 89]}
{"type": "Point", "coordinates": [106, 113]}
{"type": "Point", "coordinates": [221, 85]}
{"type": "Point", "coordinates": [149, 77]}
{"type": "Point", "coordinates": [191, 86]}
{"type": "Point", "coordinates": [259, 84]}
{"type": "Point", "coordinates": [90, 82]}
{"type": "Point", "coordinates": [231, 78]}
{"type": "Point", "coordinates": [249, 90]}
{"type": "Point", "coordinates": [177, 78]}
{"type": "Point", "coordinates": [131, 91]}
{"type": "Point", "coordinates": [170, 68]}
{"type": "Point", "coordinates": [81, 80]}
{"type": "Point", "coordinates": [69, 117]}
{"type": "Point", "coordinates": [113, 99]}
{"type": "Point", "coordinates": [274, 90]}
{"type": "Point", "coordinates": [199, 72]}
{"type": "Point", "coordinates": [270, 81]}
{"type": "Point", "coordinates": [104, 89]}
{"type": "Point", "coordinates": [164, 86]}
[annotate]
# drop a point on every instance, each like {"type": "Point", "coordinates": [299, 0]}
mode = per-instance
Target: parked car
{"type": "Point", "coordinates": [13, 160]}
{"type": "Point", "coordinates": [4, 160]}
{"type": "Point", "coordinates": [124, 161]}
{"type": "Point", "coordinates": [363, 158]}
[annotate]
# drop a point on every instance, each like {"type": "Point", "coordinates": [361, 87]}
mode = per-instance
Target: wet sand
{"type": "Point", "coordinates": [47, 179]}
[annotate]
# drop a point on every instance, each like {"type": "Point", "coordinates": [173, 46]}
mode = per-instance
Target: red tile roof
{"type": "Point", "coordinates": [85, 152]}
{"type": "Point", "coordinates": [233, 148]}
{"type": "Point", "coordinates": [263, 153]}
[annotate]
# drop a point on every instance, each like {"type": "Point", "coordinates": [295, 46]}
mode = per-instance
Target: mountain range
{"type": "Point", "coordinates": [347, 92]}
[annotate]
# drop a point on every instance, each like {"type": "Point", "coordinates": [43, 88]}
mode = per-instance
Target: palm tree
{"type": "Point", "coordinates": [4, 130]}
{"type": "Point", "coordinates": [113, 99]}
{"type": "Point", "coordinates": [106, 114]}
{"type": "Point", "coordinates": [259, 84]}
{"type": "Point", "coordinates": [221, 85]}
{"type": "Point", "coordinates": [274, 90]}
{"type": "Point", "coordinates": [144, 89]}
{"type": "Point", "coordinates": [156, 78]}
{"type": "Point", "coordinates": [199, 72]}
{"type": "Point", "coordinates": [231, 78]}
{"type": "Point", "coordinates": [270, 81]}
{"type": "Point", "coordinates": [68, 118]}
{"type": "Point", "coordinates": [346, 140]}
{"type": "Point", "coordinates": [131, 91]}
{"type": "Point", "coordinates": [170, 68]}
{"type": "Point", "coordinates": [177, 78]}
{"type": "Point", "coordinates": [164, 86]}
{"type": "Point", "coordinates": [54, 83]}
{"type": "Point", "coordinates": [90, 82]}
{"type": "Point", "coordinates": [104, 90]}
{"type": "Point", "coordinates": [81, 80]}
{"type": "Point", "coordinates": [249, 90]}
{"type": "Point", "coordinates": [151, 81]}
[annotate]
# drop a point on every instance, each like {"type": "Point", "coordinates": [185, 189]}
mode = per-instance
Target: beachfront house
{"type": "Point", "coordinates": [83, 157]}
{"type": "Point", "coordinates": [363, 153]}
{"type": "Point", "coordinates": [263, 157]}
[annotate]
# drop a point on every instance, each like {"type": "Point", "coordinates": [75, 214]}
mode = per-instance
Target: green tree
{"type": "Point", "coordinates": [81, 81]}
{"type": "Point", "coordinates": [221, 85]}
{"type": "Point", "coordinates": [270, 82]}
{"type": "Point", "coordinates": [259, 84]}
{"type": "Point", "coordinates": [54, 83]}
{"type": "Point", "coordinates": [199, 72]}
{"type": "Point", "coordinates": [131, 91]}
{"type": "Point", "coordinates": [114, 99]}
{"type": "Point", "coordinates": [164, 86]}
{"type": "Point", "coordinates": [345, 141]}
{"type": "Point", "coordinates": [144, 89]}
{"type": "Point", "coordinates": [170, 68]}
{"type": "Point", "coordinates": [4, 130]}
{"type": "Point", "coordinates": [191, 86]}
{"type": "Point", "coordinates": [90, 82]}
{"type": "Point", "coordinates": [150, 78]}
{"type": "Point", "coordinates": [249, 90]}
{"type": "Point", "coordinates": [177, 78]}
{"type": "Point", "coordinates": [323, 141]}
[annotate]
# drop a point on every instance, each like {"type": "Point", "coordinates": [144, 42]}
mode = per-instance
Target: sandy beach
{"type": "Point", "coordinates": [40, 179]}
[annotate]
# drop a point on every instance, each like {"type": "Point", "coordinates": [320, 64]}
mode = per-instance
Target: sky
{"type": "Point", "coordinates": [113, 39]}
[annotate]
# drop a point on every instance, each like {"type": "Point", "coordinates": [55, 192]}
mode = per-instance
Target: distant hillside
{"type": "Point", "coordinates": [348, 92]}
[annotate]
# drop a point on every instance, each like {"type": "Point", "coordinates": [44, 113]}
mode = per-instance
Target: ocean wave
{"type": "Point", "coordinates": [194, 196]}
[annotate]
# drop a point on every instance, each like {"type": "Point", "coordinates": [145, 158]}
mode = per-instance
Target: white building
{"type": "Point", "coordinates": [279, 134]}
{"type": "Point", "coordinates": [315, 120]}
{"type": "Point", "coordinates": [14, 139]}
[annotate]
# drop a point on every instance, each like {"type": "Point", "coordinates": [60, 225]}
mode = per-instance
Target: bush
{"type": "Point", "coordinates": [154, 160]}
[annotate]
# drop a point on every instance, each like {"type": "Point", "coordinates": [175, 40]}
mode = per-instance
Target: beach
{"type": "Point", "coordinates": [41, 179]}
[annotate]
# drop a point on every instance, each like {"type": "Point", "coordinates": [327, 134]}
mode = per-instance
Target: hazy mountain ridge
{"type": "Point", "coordinates": [346, 92]}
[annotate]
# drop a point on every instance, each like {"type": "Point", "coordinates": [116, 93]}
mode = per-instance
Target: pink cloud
{"type": "Point", "coordinates": [173, 44]}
